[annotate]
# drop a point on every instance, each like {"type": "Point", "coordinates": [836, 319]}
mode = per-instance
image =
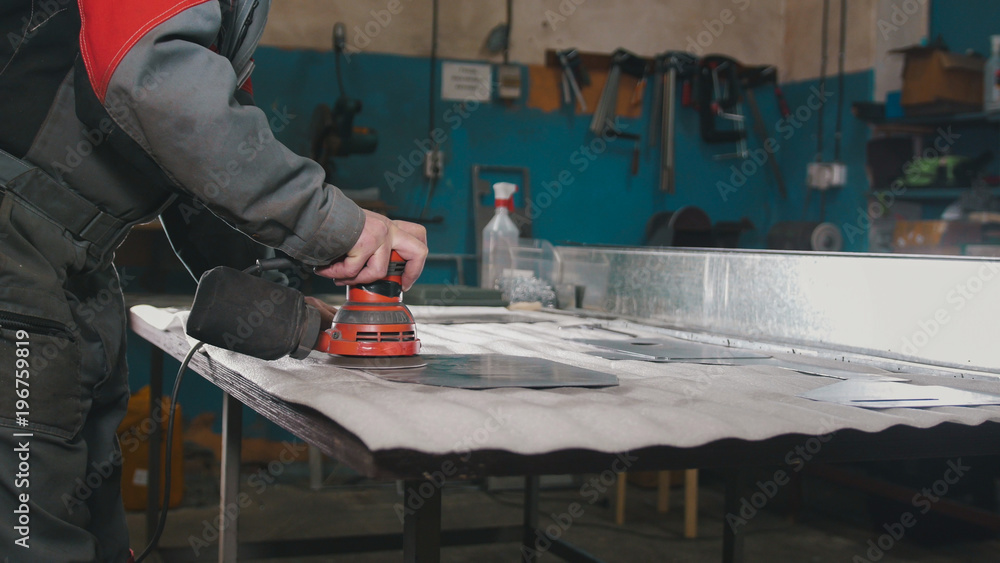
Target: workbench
{"type": "Point", "coordinates": [661, 416]}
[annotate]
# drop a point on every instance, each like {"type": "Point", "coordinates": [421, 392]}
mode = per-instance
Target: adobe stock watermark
{"type": "Point", "coordinates": [565, 10]}
{"type": "Point", "coordinates": [703, 382]}
{"type": "Point", "coordinates": [590, 492]}
{"type": "Point", "coordinates": [87, 311]}
{"type": "Point", "coordinates": [958, 297]}
{"type": "Point", "coordinates": [118, 105]}
{"type": "Point", "coordinates": [885, 199]}
{"type": "Point", "coordinates": [363, 35]}
{"type": "Point", "coordinates": [259, 481]}
{"type": "Point", "coordinates": [581, 159]}
{"type": "Point", "coordinates": [42, 11]}
{"type": "Point", "coordinates": [924, 500]}
{"type": "Point", "coordinates": [247, 150]}
{"type": "Point", "coordinates": [455, 116]}
{"type": "Point", "coordinates": [758, 157]}
{"type": "Point", "coordinates": [901, 14]}
{"type": "Point", "coordinates": [796, 459]}
{"type": "Point", "coordinates": [714, 28]}
{"type": "Point", "coordinates": [436, 479]}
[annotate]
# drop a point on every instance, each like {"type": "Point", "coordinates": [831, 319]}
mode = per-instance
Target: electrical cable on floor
{"type": "Point", "coordinates": [167, 461]}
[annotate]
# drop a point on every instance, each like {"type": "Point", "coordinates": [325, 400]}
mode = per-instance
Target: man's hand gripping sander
{"type": "Point", "coordinates": [256, 317]}
{"type": "Point", "coordinates": [374, 321]}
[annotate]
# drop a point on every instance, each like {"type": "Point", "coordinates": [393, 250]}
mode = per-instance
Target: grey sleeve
{"type": "Point", "coordinates": [175, 97]}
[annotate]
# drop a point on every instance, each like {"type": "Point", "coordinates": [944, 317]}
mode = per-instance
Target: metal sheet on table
{"type": "Point", "coordinates": [488, 371]}
{"type": "Point", "coordinates": [885, 395]}
{"type": "Point", "coordinates": [808, 369]}
{"type": "Point", "coordinates": [672, 349]}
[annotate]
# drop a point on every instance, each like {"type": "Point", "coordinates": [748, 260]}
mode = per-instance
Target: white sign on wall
{"type": "Point", "coordinates": [464, 82]}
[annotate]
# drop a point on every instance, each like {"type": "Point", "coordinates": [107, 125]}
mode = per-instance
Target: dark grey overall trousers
{"type": "Point", "coordinates": [63, 379]}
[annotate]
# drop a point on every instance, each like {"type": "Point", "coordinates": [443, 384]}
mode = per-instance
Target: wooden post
{"type": "Point", "coordinates": [691, 503]}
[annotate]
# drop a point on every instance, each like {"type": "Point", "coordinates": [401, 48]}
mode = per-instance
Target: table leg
{"type": "Point", "coordinates": [732, 539]}
{"type": "Point", "coordinates": [663, 491]}
{"type": "Point", "coordinates": [155, 441]}
{"type": "Point", "coordinates": [622, 486]}
{"type": "Point", "coordinates": [530, 518]}
{"type": "Point", "coordinates": [422, 524]}
{"type": "Point", "coordinates": [232, 439]}
{"type": "Point", "coordinates": [315, 468]}
{"type": "Point", "coordinates": [691, 503]}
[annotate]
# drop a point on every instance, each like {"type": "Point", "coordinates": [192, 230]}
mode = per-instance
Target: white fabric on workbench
{"type": "Point", "coordinates": [656, 404]}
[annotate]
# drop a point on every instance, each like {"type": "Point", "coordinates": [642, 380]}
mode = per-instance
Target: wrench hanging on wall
{"type": "Point", "coordinates": [669, 68]}
{"type": "Point", "coordinates": [574, 75]}
{"type": "Point", "coordinates": [621, 61]}
{"type": "Point", "coordinates": [719, 97]}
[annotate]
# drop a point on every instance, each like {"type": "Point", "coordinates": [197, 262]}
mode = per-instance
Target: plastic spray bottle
{"type": "Point", "coordinates": [991, 78]}
{"type": "Point", "coordinates": [499, 236]}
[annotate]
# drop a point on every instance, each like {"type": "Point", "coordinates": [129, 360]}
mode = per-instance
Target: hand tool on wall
{"type": "Point", "coordinates": [574, 76]}
{"type": "Point", "coordinates": [656, 109]}
{"type": "Point", "coordinates": [669, 68]}
{"type": "Point", "coordinates": [622, 61]}
{"type": "Point", "coordinates": [718, 95]}
{"type": "Point", "coordinates": [332, 132]}
{"type": "Point", "coordinates": [636, 149]}
{"type": "Point", "coordinates": [752, 77]}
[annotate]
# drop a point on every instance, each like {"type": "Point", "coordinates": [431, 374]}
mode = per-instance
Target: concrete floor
{"type": "Point", "coordinates": [832, 527]}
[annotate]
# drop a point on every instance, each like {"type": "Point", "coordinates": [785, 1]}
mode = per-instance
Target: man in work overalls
{"type": "Point", "coordinates": [111, 114]}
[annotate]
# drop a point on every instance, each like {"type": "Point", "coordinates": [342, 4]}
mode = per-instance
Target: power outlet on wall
{"type": "Point", "coordinates": [433, 164]}
{"type": "Point", "coordinates": [826, 175]}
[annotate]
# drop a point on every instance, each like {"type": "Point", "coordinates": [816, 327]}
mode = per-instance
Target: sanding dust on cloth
{"type": "Point", "coordinates": [655, 404]}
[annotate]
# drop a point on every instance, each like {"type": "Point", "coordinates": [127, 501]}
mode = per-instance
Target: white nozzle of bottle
{"type": "Point", "coordinates": [502, 192]}
{"type": "Point", "coordinates": [996, 44]}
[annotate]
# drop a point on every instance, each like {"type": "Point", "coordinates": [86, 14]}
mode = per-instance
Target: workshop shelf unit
{"type": "Point", "coordinates": [932, 200]}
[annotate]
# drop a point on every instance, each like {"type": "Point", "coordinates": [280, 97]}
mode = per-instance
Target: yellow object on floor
{"type": "Point", "coordinates": [663, 499]}
{"type": "Point", "coordinates": [134, 435]}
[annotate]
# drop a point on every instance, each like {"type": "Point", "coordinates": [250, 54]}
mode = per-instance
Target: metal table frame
{"type": "Point", "coordinates": [422, 535]}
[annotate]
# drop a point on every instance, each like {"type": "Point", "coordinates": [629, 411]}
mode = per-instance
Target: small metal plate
{"type": "Point", "coordinates": [488, 371]}
{"type": "Point", "coordinates": [375, 362]}
{"type": "Point", "coordinates": [656, 349]}
{"type": "Point", "coordinates": [885, 395]}
{"type": "Point", "coordinates": [805, 368]}
{"type": "Point", "coordinates": [476, 318]}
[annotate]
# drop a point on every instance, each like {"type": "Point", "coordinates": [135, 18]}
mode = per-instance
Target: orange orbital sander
{"type": "Point", "coordinates": [374, 321]}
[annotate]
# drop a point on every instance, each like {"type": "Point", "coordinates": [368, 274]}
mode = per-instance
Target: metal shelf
{"type": "Point", "coordinates": [946, 119]}
{"type": "Point", "coordinates": [931, 194]}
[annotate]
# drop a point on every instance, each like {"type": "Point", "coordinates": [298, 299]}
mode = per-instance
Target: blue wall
{"type": "Point", "coordinates": [604, 204]}
{"type": "Point", "coordinates": [965, 24]}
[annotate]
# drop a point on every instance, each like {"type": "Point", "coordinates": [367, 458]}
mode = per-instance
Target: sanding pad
{"type": "Point", "coordinates": [375, 362]}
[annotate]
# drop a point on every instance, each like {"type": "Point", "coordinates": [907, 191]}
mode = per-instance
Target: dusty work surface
{"type": "Point", "coordinates": [656, 404]}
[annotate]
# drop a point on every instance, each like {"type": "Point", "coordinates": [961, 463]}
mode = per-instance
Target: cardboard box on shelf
{"type": "Point", "coordinates": [909, 236]}
{"type": "Point", "coordinates": [936, 81]}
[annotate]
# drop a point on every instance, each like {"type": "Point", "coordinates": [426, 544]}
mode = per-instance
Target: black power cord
{"type": "Point", "coordinates": [162, 522]}
{"type": "Point", "coordinates": [258, 269]}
